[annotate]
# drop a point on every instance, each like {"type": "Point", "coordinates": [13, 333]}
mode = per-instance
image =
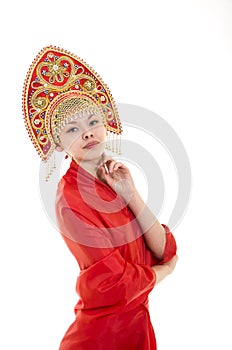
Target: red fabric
{"type": "Point", "coordinates": [115, 276]}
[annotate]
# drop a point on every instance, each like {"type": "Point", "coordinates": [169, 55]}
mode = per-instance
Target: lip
{"type": "Point", "coordinates": [91, 144]}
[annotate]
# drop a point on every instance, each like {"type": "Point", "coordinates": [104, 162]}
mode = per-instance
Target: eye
{"type": "Point", "coordinates": [74, 129]}
{"type": "Point", "coordinates": [93, 122]}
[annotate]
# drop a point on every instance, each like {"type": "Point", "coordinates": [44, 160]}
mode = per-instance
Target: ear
{"type": "Point", "coordinates": [59, 148]}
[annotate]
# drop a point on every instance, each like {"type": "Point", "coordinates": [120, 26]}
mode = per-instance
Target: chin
{"type": "Point", "coordinates": [90, 156]}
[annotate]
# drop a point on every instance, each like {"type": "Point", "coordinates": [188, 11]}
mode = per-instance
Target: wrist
{"type": "Point", "coordinates": [134, 197]}
{"type": "Point", "coordinates": [161, 271]}
{"type": "Point", "coordinates": [129, 197]}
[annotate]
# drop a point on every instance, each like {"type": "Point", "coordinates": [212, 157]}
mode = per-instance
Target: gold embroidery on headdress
{"type": "Point", "coordinates": [55, 76]}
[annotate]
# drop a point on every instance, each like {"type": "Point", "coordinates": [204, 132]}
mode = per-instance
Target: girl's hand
{"type": "Point", "coordinates": [118, 177]}
{"type": "Point", "coordinates": [164, 270]}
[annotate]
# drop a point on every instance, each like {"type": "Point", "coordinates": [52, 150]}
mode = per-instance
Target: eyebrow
{"type": "Point", "coordinates": [74, 121]}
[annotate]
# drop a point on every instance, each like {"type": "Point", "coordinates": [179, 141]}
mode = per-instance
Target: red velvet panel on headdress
{"type": "Point", "coordinates": [55, 72]}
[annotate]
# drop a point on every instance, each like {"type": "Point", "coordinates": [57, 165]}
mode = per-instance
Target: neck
{"type": "Point", "coordinates": [92, 165]}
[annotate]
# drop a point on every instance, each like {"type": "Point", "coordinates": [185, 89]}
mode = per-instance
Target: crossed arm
{"type": "Point", "coordinates": [154, 232]}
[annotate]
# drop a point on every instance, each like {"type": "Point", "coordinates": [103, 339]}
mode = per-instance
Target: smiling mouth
{"type": "Point", "coordinates": [91, 145]}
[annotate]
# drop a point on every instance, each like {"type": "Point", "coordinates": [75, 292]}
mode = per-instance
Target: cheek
{"type": "Point", "coordinates": [70, 140]}
{"type": "Point", "coordinates": [75, 142]}
{"type": "Point", "coordinates": [101, 131]}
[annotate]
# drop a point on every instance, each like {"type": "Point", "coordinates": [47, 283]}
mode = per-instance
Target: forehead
{"type": "Point", "coordinates": [84, 116]}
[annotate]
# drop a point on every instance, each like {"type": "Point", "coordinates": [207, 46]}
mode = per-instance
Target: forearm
{"type": "Point", "coordinates": [154, 233]}
{"type": "Point", "coordinates": [161, 272]}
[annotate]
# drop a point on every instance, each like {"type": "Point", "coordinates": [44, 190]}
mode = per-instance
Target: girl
{"type": "Point", "coordinates": [121, 248]}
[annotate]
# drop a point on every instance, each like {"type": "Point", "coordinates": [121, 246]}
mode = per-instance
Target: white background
{"type": "Point", "coordinates": [172, 57]}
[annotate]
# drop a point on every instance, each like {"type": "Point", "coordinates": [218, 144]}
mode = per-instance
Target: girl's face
{"type": "Point", "coordinates": [83, 138]}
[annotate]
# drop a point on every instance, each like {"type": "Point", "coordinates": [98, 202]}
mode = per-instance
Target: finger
{"type": "Point", "coordinates": [175, 258]}
{"type": "Point", "coordinates": [106, 170]}
{"type": "Point", "coordinates": [111, 166]}
{"type": "Point", "coordinates": [105, 157]}
{"type": "Point", "coordinates": [174, 261]}
{"type": "Point", "coordinates": [117, 165]}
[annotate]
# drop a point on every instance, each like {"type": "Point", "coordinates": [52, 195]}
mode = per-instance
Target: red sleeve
{"type": "Point", "coordinates": [169, 250]}
{"type": "Point", "coordinates": [112, 281]}
{"type": "Point", "coordinates": [106, 278]}
{"type": "Point", "coordinates": [87, 242]}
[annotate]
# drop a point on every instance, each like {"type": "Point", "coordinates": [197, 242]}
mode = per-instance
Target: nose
{"type": "Point", "coordinates": [87, 134]}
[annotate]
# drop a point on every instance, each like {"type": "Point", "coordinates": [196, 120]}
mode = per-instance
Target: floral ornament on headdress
{"type": "Point", "coordinates": [55, 76]}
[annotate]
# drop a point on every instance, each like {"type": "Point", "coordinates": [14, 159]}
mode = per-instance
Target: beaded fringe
{"type": "Point", "coordinates": [113, 143]}
{"type": "Point", "coordinates": [50, 166]}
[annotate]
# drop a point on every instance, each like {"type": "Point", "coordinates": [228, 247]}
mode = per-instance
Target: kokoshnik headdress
{"type": "Point", "coordinates": [59, 85]}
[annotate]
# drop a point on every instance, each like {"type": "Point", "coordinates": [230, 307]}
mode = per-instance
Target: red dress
{"type": "Point", "coordinates": [115, 266]}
